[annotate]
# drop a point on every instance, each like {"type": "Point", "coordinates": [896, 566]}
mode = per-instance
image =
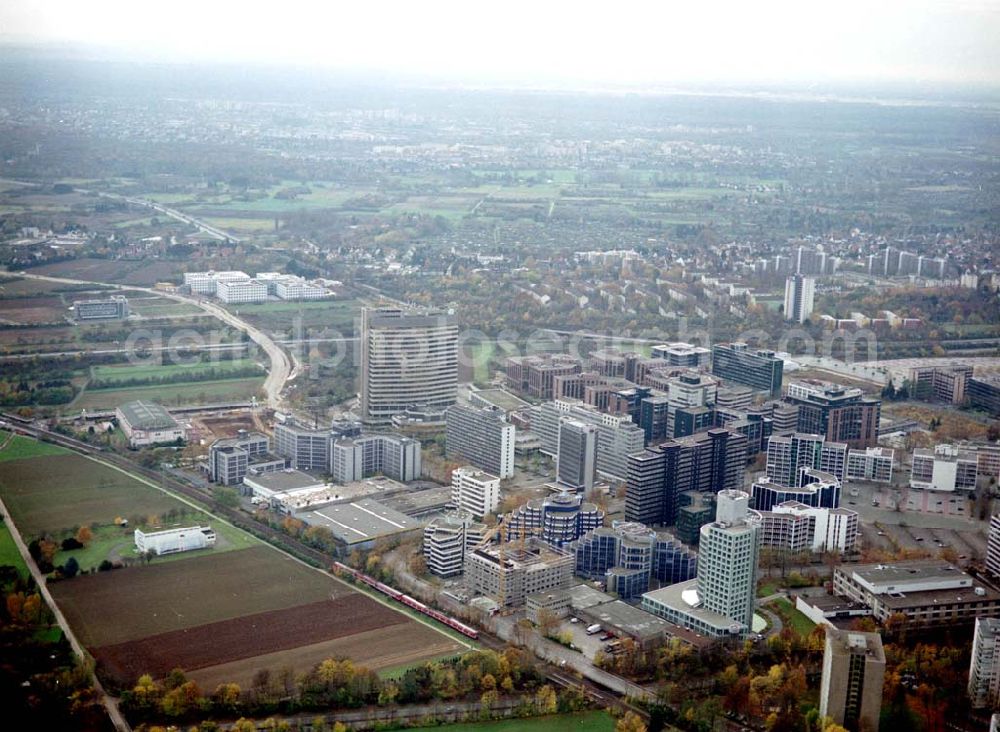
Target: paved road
{"type": "Point", "coordinates": [283, 368]}
{"type": "Point", "coordinates": [109, 703]}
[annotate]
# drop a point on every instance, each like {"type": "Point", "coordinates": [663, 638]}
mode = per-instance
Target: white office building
{"type": "Point", "coordinates": [240, 291]}
{"type": "Point", "coordinates": [787, 455]}
{"type": "Point", "coordinates": [296, 288]}
{"type": "Point", "coordinates": [720, 602]}
{"type": "Point", "coordinates": [872, 464]}
{"type": "Point", "coordinates": [945, 468]}
{"type": "Point", "coordinates": [206, 283]}
{"type": "Point", "coordinates": [799, 294]}
{"type": "Point", "coordinates": [481, 436]}
{"type": "Point", "coordinates": [474, 491]}
{"type": "Point", "coordinates": [447, 539]}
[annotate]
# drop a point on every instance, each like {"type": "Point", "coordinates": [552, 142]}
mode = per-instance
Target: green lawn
{"type": "Point", "coordinates": [25, 447]}
{"type": "Point", "coordinates": [9, 555]}
{"type": "Point", "coordinates": [580, 722]}
{"type": "Point", "coordinates": [792, 617]}
{"type": "Point", "coordinates": [174, 394]}
{"type": "Point", "coordinates": [123, 372]}
{"type": "Point", "coordinates": [111, 539]}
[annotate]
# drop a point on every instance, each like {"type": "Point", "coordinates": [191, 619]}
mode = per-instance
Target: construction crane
{"type": "Point", "coordinates": [502, 530]}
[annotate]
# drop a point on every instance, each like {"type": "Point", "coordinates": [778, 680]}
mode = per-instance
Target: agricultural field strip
{"type": "Point", "coordinates": [373, 595]}
{"type": "Point", "coordinates": [245, 637]}
{"type": "Point", "coordinates": [405, 646]}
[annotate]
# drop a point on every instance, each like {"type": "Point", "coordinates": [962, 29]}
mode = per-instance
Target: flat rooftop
{"type": "Point", "coordinates": [147, 415]}
{"type": "Point", "coordinates": [628, 618]}
{"type": "Point", "coordinates": [676, 596]}
{"type": "Point", "coordinates": [360, 521]}
{"type": "Point", "coordinates": [909, 572]}
{"type": "Point", "coordinates": [583, 596]}
{"type": "Point", "coordinates": [283, 481]}
{"type": "Point", "coordinates": [501, 399]}
{"type": "Point", "coordinates": [927, 598]}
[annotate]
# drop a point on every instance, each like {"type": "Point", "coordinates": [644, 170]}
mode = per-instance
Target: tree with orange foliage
{"type": "Point", "coordinates": [84, 535]}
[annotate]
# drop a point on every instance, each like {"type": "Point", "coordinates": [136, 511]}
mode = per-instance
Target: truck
{"type": "Point", "coordinates": [593, 629]}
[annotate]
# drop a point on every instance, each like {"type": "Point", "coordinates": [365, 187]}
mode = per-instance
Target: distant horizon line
{"type": "Point", "coordinates": [898, 91]}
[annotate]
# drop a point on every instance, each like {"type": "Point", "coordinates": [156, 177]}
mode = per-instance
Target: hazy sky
{"type": "Point", "coordinates": [661, 42]}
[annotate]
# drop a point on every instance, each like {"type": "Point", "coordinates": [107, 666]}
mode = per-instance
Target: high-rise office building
{"type": "Point", "coordinates": [408, 359]}
{"type": "Point", "coordinates": [720, 602]}
{"type": "Point", "coordinates": [760, 370]}
{"type": "Point", "coordinates": [617, 435]}
{"type": "Point", "coordinates": [709, 462]}
{"type": "Point", "coordinates": [788, 455]}
{"type": "Point", "coordinates": [839, 413]}
{"type": "Point", "coordinates": [853, 674]}
{"type": "Point", "coordinates": [480, 436]}
{"type": "Point", "coordinates": [576, 455]}
{"type": "Point", "coordinates": [993, 546]}
{"type": "Point", "coordinates": [799, 293]}
{"type": "Point", "coordinates": [984, 669]}
{"type": "Point", "coordinates": [230, 458]}
{"type": "Point", "coordinates": [474, 491]}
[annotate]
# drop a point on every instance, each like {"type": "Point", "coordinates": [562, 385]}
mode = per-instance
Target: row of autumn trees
{"type": "Point", "coordinates": [482, 676]}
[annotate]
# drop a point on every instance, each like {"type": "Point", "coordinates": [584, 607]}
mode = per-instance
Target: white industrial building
{"type": "Point", "coordinates": [474, 491]}
{"type": "Point", "coordinates": [172, 541]}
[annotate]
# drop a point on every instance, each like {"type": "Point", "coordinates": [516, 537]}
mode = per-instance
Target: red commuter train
{"type": "Point", "coordinates": [341, 568]}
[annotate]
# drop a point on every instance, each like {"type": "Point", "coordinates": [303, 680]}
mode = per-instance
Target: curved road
{"type": "Point", "coordinates": [283, 368]}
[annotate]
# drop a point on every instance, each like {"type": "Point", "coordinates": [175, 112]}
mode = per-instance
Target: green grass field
{"type": "Point", "coordinates": [793, 617]}
{"type": "Point", "coordinates": [9, 555]}
{"type": "Point", "coordinates": [24, 447]}
{"type": "Point", "coordinates": [122, 372]}
{"type": "Point", "coordinates": [227, 390]}
{"type": "Point", "coordinates": [581, 722]}
{"type": "Point", "coordinates": [113, 542]}
{"type": "Point", "coordinates": [56, 492]}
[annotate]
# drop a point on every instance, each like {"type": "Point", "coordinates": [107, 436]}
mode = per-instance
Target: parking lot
{"type": "Point", "coordinates": [588, 645]}
{"type": "Point", "coordinates": [922, 521]}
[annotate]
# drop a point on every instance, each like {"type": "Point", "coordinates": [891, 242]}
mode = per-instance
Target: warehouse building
{"type": "Point", "coordinates": [172, 541]}
{"type": "Point", "coordinates": [147, 423]}
{"type": "Point", "coordinates": [358, 525]}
